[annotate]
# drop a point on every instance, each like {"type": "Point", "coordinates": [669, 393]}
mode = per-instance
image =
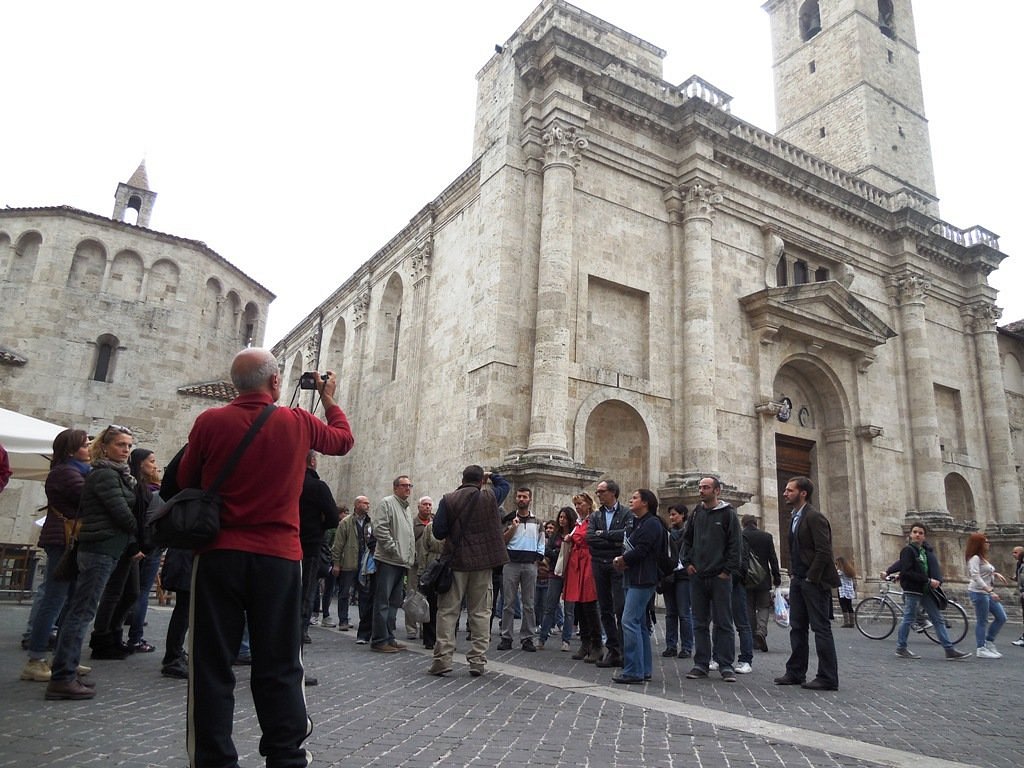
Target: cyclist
{"type": "Point", "coordinates": [918, 578]}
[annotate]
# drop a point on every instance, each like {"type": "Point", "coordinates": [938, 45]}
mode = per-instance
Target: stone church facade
{"type": "Point", "coordinates": [631, 282]}
{"type": "Point", "coordinates": [103, 320]}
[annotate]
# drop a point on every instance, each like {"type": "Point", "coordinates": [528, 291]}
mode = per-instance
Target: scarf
{"type": "Point", "coordinates": [121, 468]}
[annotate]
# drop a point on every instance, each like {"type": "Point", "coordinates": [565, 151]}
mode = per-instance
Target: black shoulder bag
{"type": "Point", "coordinates": [191, 518]}
{"type": "Point", "coordinates": [438, 577]}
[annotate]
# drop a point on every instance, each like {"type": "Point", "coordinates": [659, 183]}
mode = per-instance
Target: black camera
{"type": "Point", "coordinates": [308, 380]}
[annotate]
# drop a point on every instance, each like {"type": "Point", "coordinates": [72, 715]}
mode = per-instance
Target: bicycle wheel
{"type": "Point", "coordinates": [875, 618]}
{"type": "Point", "coordinates": [956, 624]}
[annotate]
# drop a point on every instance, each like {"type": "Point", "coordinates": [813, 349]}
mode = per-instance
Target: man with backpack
{"type": "Point", "coordinates": [759, 597]}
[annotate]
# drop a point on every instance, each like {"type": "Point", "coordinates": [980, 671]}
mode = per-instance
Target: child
{"type": "Point", "coordinates": [847, 591]}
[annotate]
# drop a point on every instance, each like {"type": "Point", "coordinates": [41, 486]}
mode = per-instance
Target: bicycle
{"type": "Point", "coordinates": [876, 616]}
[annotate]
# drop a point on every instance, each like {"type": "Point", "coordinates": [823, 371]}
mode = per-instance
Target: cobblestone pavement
{"type": "Point", "coordinates": [543, 709]}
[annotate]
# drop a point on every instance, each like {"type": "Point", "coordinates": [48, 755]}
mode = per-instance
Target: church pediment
{"type": "Point", "coordinates": [824, 314]}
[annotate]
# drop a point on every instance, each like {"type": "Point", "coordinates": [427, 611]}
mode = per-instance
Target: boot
{"type": "Point", "coordinates": [595, 655]}
{"type": "Point", "coordinates": [582, 653]}
{"type": "Point", "coordinates": [847, 620]}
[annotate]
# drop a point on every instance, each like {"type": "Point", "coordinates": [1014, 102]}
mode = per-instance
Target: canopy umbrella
{"type": "Point", "coordinates": [29, 444]}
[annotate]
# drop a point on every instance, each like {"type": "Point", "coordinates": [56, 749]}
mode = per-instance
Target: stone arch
{"type": "Point", "coordinates": [87, 266]}
{"type": "Point", "coordinates": [389, 329]}
{"type": "Point", "coordinates": [960, 498]}
{"type": "Point", "coordinates": [335, 358]}
{"type": "Point", "coordinates": [821, 417]}
{"type": "Point", "coordinates": [887, 18]}
{"type": "Point", "coordinates": [163, 280]}
{"type": "Point", "coordinates": [1013, 374]}
{"type": "Point", "coordinates": [23, 260]}
{"type": "Point", "coordinates": [631, 458]}
{"type": "Point", "coordinates": [212, 294]}
{"type": "Point", "coordinates": [6, 254]}
{"type": "Point", "coordinates": [104, 363]}
{"type": "Point", "coordinates": [294, 374]}
{"type": "Point", "coordinates": [126, 276]}
{"type": "Point", "coordinates": [250, 324]}
{"type": "Point", "coordinates": [233, 308]}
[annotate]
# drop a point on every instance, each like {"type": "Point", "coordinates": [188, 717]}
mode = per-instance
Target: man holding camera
{"type": "Point", "coordinates": [253, 567]}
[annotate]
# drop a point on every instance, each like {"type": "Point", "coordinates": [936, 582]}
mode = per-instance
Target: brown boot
{"type": "Point", "coordinates": [595, 655]}
{"type": "Point", "coordinates": [582, 652]}
{"type": "Point", "coordinates": [68, 689]}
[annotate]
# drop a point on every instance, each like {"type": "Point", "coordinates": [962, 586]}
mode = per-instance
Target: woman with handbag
{"type": "Point", "coordinates": [107, 526]}
{"type": "Point", "coordinates": [556, 555]}
{"type": "Point", "coordinates": [64, 483]}
{"type": "Point", "coordinates": [579, 587]}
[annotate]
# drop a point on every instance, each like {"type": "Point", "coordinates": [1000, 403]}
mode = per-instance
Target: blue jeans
{"type": "Point", "coordinates": [712, 601]}
{"type": "Point", "coordinates": [94, 570]}
{"type": "Point", "coordinates": [387, 599]}
{"type": "Point", "coordinates": [741, 618]}
{"type": "Point", "coordinates": [679, 616]}
{"type": "Point", "coordinates": [911, 602]}
{"type": "Point", "coordinates": [983, 606]}
{"type": "Point", "coordinates": [636, 637]}
{"type": "Point", "coordinates": [54, 594]}
{"type": "Point", "coordinates": [553, 601]}
{"type": "Point", "coordinates": [148, 567]}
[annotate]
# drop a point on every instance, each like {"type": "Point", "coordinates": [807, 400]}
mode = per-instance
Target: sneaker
{"type": "Point", "coordinates": [921, 626]}
{"type": "Point", "coordinates": [361, 641]}
{"type": "Point", "coordinates": [985, 653]}
{"type": "Point", "coordinates": [744, 668]}
{"type": "Point", "coordinates": [314, 620]}
{"type": "Point", "coordinates": [36, 670]}
{"type": "Point", "coordinates": [990, 644]}
{"type": "Point", "coordinates": [696, 674]}
{"type": "Point", "coordinates": [954, 655]}
{"type": "Point", "coordinates": [529, 647]}
{"type": "Point", "coordinates": [397, 645]}
{"type": "Point", "coordinates": [565, 647]}
{"type": "Point", "coordinates": [1019, 642]}
{"type": "Point", "coordinates": [684, 654]}
{"type": "Point", "coordinates": [83, 670]}
{"type": "Point", "coordinates": [713, 666]}
{"type": "Point", "coordinates": [728, 674]}
{"type": "Point", "coordinates": [505, 644]}
{"type": "Point", "coordinates": [327, 621]}
{"type": "Point", "coordinates": [383, 648]}
{"type": "Point", "coordinates": [906, 653]}
{"type": "Point", "coordinates": [669, 653]}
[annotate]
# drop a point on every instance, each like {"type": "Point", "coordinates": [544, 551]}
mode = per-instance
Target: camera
{"type": "Point", "coordinates": [308, 380]}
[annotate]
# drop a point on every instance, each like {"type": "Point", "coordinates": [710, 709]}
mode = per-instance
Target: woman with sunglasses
{"type": "Point", "coordinates": [108, 525]}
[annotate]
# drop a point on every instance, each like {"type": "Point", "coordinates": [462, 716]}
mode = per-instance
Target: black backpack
{"type": "Point", "coordinates": [666, 558]}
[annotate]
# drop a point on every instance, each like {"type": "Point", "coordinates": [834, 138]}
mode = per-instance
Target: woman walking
{"type": "Point", "coordinates": [981, 590]}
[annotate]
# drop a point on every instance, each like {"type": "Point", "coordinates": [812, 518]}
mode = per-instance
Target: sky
{"type": "Point", "coordinates": [296, 139]}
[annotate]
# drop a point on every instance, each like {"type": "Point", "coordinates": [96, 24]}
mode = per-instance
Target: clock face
{"type": "Point", "coordinates": [804, 417]}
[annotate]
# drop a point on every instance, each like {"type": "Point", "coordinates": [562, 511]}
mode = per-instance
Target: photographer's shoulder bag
{"type": "Point", "coordinates": [191, 518]}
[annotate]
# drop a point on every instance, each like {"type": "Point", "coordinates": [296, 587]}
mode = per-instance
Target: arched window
{"type": "Point", "coordinates": [389, 329]}
{"type": "Point", "coordinates": [810, 20]}
{"type": "Point", "coordinates": [781, 272]}
{"type": "Point", "coordinates": [106, 356]}
{"type": "Point", "coordinates": [250, 319]}
{"type": "Point", "coordinates": [886, 18]}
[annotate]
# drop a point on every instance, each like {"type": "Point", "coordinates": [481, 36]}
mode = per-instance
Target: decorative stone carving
{"type": "Point", "coordinates": [312, 352]}
{"type": "Point", "coordinates": [421, 260]}
{"type": "Point", "coordinates": [701, 200]}
{"type": "Point", "coordinates": [910, 287]}
{"type": "Point", "coordinates": [563, 146]}
{"type": "Point", "coordinates": [868, 431]}
{"type": "Point", "coordinates": [980, 317]}
{"type": "Point", "coordinates": [360, 306]}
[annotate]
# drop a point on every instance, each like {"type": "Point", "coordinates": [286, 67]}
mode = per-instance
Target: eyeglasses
{"type": "Point", "coordinates": [119, 428]}
{"type": "Point", "coordinates": [405, 485]}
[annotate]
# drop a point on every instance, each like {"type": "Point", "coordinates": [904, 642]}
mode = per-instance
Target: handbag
{"type": "Point", "coordinates": [67, 567]}
{"type": "Point", "coordinates": [437, 578]}
{"type": "Point", "coordinates": [190, 519]}
{"type": "Point", "coordinates": [563, 557]}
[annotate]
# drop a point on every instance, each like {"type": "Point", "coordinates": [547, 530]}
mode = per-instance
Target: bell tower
{"type": "Point", "coordinates": [135, 195]}
{"type": "Point", "coordinates": [848, 88]}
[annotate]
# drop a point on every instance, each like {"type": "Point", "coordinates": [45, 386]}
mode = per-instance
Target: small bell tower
{"type": "Point", "coordinates": [135, 195]}
{"type": "Point", "coordinates": [848, 88]}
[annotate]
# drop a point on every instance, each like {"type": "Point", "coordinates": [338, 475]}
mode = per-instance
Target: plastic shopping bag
{"type": "Point", "coordinates": [781, 609]}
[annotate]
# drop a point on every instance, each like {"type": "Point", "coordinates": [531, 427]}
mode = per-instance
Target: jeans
{"type": "Point", "coordinates": [741, 618]}
{"type": "Point", "coordinates": [550, 617]}
{"type": "Point", "coordinates": [712, 602]}
{"type": "Point", "coordinates": [119, 595]}
{"type": "Point", "coordinates": [94, 570]}
{"type": "Point", "coordinates": [148, 567]}
{"type": "Point", "coordinates": [346, 580]}
{"type": "Point", "coordinates": [911, 602]}
{"type": "Point", "coordinates": [809, 607]}
{"type": "Point", "coordinates": [636, 636]}
{"type": "Point", "coordinates": [387, 599]}
{"type": "Point", "coordinates": [54, 595]}
{"type": "Point", "coordinates": [679, 616]}
{"type": "Point", "coordinates": [983, 606]}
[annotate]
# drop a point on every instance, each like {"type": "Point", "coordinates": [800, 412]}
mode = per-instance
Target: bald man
{"type": "Point", "coordinates": [252, 570]}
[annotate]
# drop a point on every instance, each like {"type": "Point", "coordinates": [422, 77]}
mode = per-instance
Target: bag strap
{"type": "Point", "coordinates": [228, 468]}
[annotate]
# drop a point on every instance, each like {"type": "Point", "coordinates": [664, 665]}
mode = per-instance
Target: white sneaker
{"type": "Point", "coordinates": [713, 666]}
{"type": "Point", "coordinates": [314, 620]}
{"type": "Point", "coordinates": [985, 653]}
{"type": "Point", "coordinates": [743, 668]}
{"type": "Point", "coordinates": [565, 646]}
{"type": "Point", "coordinates": [1019, 642]}
{"type": "Point", "coordinates": [992, 647]}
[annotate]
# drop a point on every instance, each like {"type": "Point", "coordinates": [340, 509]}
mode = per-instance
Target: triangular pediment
{"type": "Point", "coordinates": [824, 314]}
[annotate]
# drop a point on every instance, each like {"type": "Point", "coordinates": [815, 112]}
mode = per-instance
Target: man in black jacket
{"type": "Point", "coordinates": [759, 599]}
{"type": "Point", "coordinates": [318, 513]}
{"type": "Point", "coordinates": [605, 534]}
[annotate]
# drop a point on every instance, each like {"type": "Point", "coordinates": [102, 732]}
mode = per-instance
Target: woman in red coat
{"type": "Point", "coordinates": [579, 585]}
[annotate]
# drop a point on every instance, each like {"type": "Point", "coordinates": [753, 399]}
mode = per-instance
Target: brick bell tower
{"type": "Point", "coordinates": [848, 88]}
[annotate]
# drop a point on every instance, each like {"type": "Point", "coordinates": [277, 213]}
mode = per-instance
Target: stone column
{"type": "Point", "coordinates": [924, 420]}
{"type": "Point", "coordinates": [674, 205]}
{"type": "Point", "coordinates": [550, 400]}
{"type": "Point", "coordinates": [699, 435]}
{"type": "Point", "coordinates": [980, 320]}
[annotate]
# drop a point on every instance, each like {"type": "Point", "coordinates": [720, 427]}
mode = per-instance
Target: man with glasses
{"type": "Point", "coordinates": [395, 554]}
{"type": "Point", "coordinates": [605, 533]}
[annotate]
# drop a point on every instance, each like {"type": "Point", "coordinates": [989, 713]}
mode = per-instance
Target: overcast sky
{"type": "Point", "coordinates": [296, 139]}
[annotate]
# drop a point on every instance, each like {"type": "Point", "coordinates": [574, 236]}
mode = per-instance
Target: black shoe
{"type": "Point", "coordinates": [611, 659]}
{"type": "Point", "coordinates": [696, 674]}
{"type": "Point", "coordinates": [529, 647]}
{"type": "Point", "coordinates": [627, 680]}
{"type": "Point", "coordinates": [175, 670]}
{"type": "Point", "coordinates": [310, 682]}
{"type": "Point", "coordinates": [505, 644]}
{"type": "Point", "coordinates": [110, 653]}
{"type": "Point", "coordinates": [761, 642]}
{"type": "Point", "coordinates": [817, 684]}
{"type": "Point", "coordinates": [788, 679]}
{"type": "Point", "coordinates": [685, 654]}
{"type": "Point", "coordinates": [669, 653]}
